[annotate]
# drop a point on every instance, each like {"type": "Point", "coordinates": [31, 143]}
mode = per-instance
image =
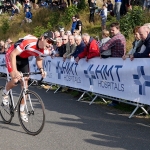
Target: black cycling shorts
{"type": "Point", "coordinates": [22, 64]}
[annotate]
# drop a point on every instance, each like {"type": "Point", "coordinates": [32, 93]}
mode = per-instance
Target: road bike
{"type": "Point", "coordinates": [34, 107]}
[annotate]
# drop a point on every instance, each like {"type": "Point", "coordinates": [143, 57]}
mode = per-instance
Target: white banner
{"type": "Point", "coordinates": [129, 80]}
{"type": "Point", "coordinates": [2, 61]}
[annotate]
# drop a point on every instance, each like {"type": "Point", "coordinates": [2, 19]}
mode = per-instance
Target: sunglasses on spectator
{"type": "Point", "coordinates": [64, 39]}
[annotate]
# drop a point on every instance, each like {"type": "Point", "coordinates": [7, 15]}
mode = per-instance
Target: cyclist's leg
{"type": "Point", "coordinates": [13, 80]}
{"type": "Point", "coordinates": [9, 85]}
{"type": "Point", "coordinates": [24, 68]}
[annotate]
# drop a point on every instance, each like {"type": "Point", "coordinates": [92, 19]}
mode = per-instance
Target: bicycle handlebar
{"type": "Point", "coordinates": [30, 73]}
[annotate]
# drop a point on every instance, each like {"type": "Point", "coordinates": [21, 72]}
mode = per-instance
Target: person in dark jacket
{"type": "Point", "coordinates": [144, 32]}
{"type": "Point", "coordinates": [28, 16]}
{"type": "Point", "coordinates": [92, 11]}
{"type": "Point", "coordinates": [80, 46]}
{"type": "Point", "coordinates": [138, 46]}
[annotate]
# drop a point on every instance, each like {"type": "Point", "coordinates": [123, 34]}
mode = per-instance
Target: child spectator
{"type": "Point", "coordinates": [103, 14]}
{"type": "Point", "coordinates": [28, 16]}
{"type": "Point", "coordinates": [105, 38]}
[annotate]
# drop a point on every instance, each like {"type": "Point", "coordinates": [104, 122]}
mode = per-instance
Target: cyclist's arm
{"type": "Point", "coordinates": [13, 55]}
{"type": "Point", "coordinates": [39, 63]}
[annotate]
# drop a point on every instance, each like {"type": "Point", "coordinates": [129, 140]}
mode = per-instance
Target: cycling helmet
{"type": "Point", "coordinates": [49, 35]}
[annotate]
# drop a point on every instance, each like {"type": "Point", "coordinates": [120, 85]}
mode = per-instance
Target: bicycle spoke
{"type": "Point", "coordinates": [36, 115]}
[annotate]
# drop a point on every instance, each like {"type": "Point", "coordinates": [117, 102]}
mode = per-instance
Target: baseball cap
{"type": "Point", "coordinates": [49, 35]}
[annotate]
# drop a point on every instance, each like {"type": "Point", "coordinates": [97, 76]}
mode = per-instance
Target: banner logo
{"type": "Point", "coordinates": [141, 80]}
{"type": "Point", "coordinates": [90, 74]}
{"type": "Point", "coordinates": [68, 71]}
{"type": "Point", "coordinates": [107, 77]}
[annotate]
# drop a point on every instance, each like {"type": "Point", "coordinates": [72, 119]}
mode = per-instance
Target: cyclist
{"type": "Point", "coordinates": [17, 61]}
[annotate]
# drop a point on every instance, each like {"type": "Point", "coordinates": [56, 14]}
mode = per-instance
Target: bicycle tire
{"type": "Point", "coordinates": [36, 117]}
{"type": "Point", "coordinates": [6, 111]}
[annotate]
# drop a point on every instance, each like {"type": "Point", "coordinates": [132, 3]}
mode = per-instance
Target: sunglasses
{"type": "Point", "coordinates": [64, 39]}
{"type": "Point", "coordinates": [49, 41]}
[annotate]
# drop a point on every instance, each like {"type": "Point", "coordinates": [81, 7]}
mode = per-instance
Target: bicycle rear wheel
{"type": "Point", "coordinates": [6, 111]}
{"type": "Point", "coordinates": [35, 111]}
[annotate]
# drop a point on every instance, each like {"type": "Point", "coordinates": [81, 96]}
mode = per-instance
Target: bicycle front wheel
{"type": "Point", "coordinates": [35, 111]}
{"type": "Point", "coordinates": [6, 111]}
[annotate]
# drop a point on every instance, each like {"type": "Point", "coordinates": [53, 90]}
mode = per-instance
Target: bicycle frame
{"type": "Point", "coordinates": [22, 93]}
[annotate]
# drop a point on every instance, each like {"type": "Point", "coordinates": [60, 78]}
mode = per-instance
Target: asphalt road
{"type": "Point", "coordinates": [72, 125]}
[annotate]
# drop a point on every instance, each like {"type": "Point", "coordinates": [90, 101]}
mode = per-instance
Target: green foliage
{"type": "Point", "coordinates": [39, 30]}
{"type": "Point", "coordinates": [69, 12]}
{"type": "Point", "coordinates": [5, 26]}
{"type": "Point", "coordinates": [82, 5]}
{"type": "Point", "coordinates": [132, 19]}
{"type": "Point", "coordinates": [54, 18]}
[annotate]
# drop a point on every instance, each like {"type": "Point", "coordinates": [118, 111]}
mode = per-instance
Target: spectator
{"type": "Point", "coordinates": [91, 50]}
{"type": "Point", "coordinates": [44, 4]}
{"type": "Point", "coordinates": [28, 16]}
{"type": "Point", "coordinates": [62, 5]}
{"type": "Point", "coordinates": [27, 5]}
{"type": "Point", "coordinates": [75, 3]}
{"type": "Point", "coordinates": [66, 45]}
{"type": "Point", "coordinates": [54, 4]}
{"type": "Point", "coordinates": [1, 7]}
{"type": "Point", "coordinates": [117, 43]}
{"type": "Point", "coordinates": [79, 24]}
{"type": "Point", "coordinates": [8, 43]}
{"type": "Point", "coordinates": [7, 7]}
{"type": "Point", "coordinates": [144, 32]}
{"type": "Point", "coordinates": [105, 38]}
{"type": "Point", "coordinates": [110, 7]}
{"type": "Point", "coordinates": [79, 48]}
{"type": "Point", "coordinates": [103, 14]}
{"type": "Point", "coordinates": [68, 33]}
{"type": "Point", "coordinates": [72, 47]}
{"type": "Point", "coordinates": [74, 23]}
{"type": "Point", "coordinates": [18, 4]}
{"type": "Point", "coordinates": [2, 47]}
{"type": "Point", "coordinates": [145, 4]}
{"type": "Point", "coordinates": [62, 32]}
{"type": "Point", "coordinates": [15, 10]}
{"type": "Point", "coordinates": [59, 52]}
{"type": "Point", "coordinates": [137, 44]}
{"type": "Point", "coordinates": [56, 34]}
{"type": "Point", "coordinates": [92, 11]}
{"type": "Point", "coordinates": [117, 8]}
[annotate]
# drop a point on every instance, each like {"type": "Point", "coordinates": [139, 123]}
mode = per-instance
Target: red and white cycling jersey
{"type": "Point", "coordinates": [27, 47]}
